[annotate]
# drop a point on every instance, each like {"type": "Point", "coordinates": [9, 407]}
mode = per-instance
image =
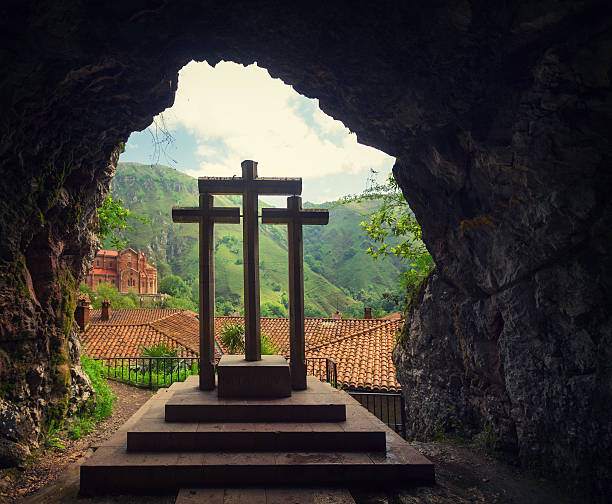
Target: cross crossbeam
{"type": "Point", "coordinates": [295, 217]}
{"type": "Point", "coordinates": [250, 186]}
{"type": "Point", "coordinates": [206, 215]}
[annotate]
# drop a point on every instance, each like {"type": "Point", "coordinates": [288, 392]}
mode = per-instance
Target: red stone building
{"type": "Point", "coordinates": [126, 269]}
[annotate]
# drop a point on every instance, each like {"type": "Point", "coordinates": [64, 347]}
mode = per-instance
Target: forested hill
{"type": "Point", "coordinates": [338, 274]}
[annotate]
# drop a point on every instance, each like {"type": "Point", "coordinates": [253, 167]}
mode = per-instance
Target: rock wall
{"type": "Point", "coordinates": [498, 116]}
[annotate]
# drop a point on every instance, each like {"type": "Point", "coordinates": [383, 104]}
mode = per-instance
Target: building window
{"type": "Point", "coordinates": [97, 262]}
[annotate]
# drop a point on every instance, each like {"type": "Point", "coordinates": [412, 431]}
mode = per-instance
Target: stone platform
{"type": "Point", "coordinates": [267, 454]}
{"type": "Point", "coordinates": [239, 378]}
{"type": "Point", "coordinates": [318, 403]}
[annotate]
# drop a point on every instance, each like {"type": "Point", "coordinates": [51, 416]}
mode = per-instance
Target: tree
{"type": "Point", "coordinates": [175, 286]}
{"type": "Point", "coordinates": [110, 292]}
{"type": "Point", "coordinates": [394, 218]}
{"type": "Point", "coordinates": [271, 309]}
{"type": "Point", "coordinates": [113, 220]}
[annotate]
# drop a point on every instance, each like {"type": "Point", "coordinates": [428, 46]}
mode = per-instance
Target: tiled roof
{"type": "Point", "coordinates": [363, 359]}
{"type": "Point", "coordinates": [100, 271]}
{"type": "Point", "coordinates": [130, 317]}
{"type": "Point", "coordinates": [107, 252]}
{"type": "Point", "coordinates": [318, 331]}
{"type": "Point", "coordinates": [183, 326]}
{"type": "Point", "coordinates": [361, 347]}
{"type": "Point", "coordinates": [129, 330]}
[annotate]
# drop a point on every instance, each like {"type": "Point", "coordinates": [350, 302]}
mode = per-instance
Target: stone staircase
{"type": "Point", "coordinates": [187, 438]}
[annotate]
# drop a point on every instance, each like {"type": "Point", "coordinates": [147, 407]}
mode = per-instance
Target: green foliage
{"type": "Point", "coordinates": [113, 219]}
{"type": "Point", "coordinates": [161, 349]}
{"type": "Point", "coordinates": [173, 285]}
{"type": "Point", "coordinates": [83, 288]}
{"type": "Point", "coordinates": [268, 347]}
{"type": "Point", "coordinates": [110, 292]}
{"type": "Point", "coordinates": [224, 308]}
{"type": "Point", "coordinates": [448, 426]}
{"type": "Point", "coordinates": [312, 311]}
{"type": "Point", "coordinates": [99, 408]}
{"type": "Point", "coordinates": [395, 219]}
{"type": "Point", "coordinates": [153, 190]}
{"type": "Point", "coordinates": [133, 295]}
{"type": "Point", "coordinates": [232, 337]}
{"type": "Point", "coordinates": [270, 309]}
{"type": "Point", "coordinates": [154, 377]}
{"type": "Point", "coordinates": [50, 439]}
{"type": "Point", "coordinates": [490, 439]}
{"type": "Point", "coordinates": [180, 304]}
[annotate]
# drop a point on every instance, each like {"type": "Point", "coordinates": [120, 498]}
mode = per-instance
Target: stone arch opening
{"type": "Point", "coordinates": [498, 120]}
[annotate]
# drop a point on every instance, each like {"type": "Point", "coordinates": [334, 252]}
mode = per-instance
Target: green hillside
{"type": "Point", "coordinates": [337, 271]}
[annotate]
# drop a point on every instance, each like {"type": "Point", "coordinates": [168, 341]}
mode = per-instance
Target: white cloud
{"type": "Point", "coordinates": [239, 113]}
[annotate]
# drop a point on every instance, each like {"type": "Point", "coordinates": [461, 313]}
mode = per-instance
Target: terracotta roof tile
{"type": "Point", "coordinates": [100, 271]}
{"type": "Point", "coordinates": [361, 347]}
{"type": "Point", "coordinates": [128, 331]}
{"type": "Point", "coordinates": [364, 358]}
{"type": "Point", "coordinates": [130, 317]}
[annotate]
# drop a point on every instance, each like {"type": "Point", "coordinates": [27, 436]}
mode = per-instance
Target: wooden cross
{"type": "Point", "coordinates": [295, 217]}
{"type": "Point", "coordinates": [206, 215]}
{"type": "Point", "coordinates": [250, 186]}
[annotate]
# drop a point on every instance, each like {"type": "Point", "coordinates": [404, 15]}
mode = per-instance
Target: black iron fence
{"type": "Point", "coordinates": [149, 372]}
{"type": "Point", "coordinates": [388, 406]}
{"type": "Point", "coordinates": [324, 369]}
{"type": "Point", "coordinates": [159, 372]}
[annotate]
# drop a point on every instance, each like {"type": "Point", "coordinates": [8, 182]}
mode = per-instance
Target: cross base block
{"type": "Point", "coordinates": [269, 377]}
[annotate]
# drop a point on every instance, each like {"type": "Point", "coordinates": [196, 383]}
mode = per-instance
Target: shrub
{"type": "Point", "coordinates": [268, 347]}
{"type": "Point", "coordinates": [232, 337]}
{"type": "Point", "coordinates": [102, 405]}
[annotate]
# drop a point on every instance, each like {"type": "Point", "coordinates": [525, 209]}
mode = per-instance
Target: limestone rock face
{"type": "Point", "coordinates": [499, 120]}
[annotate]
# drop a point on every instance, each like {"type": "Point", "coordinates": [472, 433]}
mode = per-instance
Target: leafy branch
{"type": "Point", "coordinates": [395, 219]}
{"type": "Point", "coordinates": [113, 219]}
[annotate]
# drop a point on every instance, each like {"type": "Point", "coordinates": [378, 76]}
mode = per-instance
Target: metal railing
{"type": "Point", "coordinates": [324, 369]}
{"type": "Point", "coordinates": [159, 372]}
{"type": "Point", "coordinates": [149, 372]}
{"type": "Point", "coordinates": [387, 406]}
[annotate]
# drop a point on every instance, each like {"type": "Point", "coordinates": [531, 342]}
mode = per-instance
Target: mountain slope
{"type": "Point", "coordinates": [336, 269]}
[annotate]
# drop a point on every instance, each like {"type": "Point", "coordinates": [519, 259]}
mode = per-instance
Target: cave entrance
{"type": "Point", "coordinates": [225, 114]}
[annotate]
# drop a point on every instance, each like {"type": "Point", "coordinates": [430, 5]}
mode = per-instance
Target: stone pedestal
{"type": "Point", "coordinates": [269, 377]}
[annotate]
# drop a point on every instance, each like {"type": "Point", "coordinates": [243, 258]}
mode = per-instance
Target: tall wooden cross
{"type": "Point", "coordinates": [250, 186]}
{"type": "Point", "coordinates": [206, 215]}
{"type": "Point", "coordinates": [295, 217]}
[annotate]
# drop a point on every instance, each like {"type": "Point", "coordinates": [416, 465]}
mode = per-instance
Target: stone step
{"type": "Point", "coordinates": [356, 434]}
{"type": "Point", "coordinates": [318, 403]}
{"type": "Point", "coordinates": [252, 412]}
{"type": "Point", "coordinates": [264, 496]}
{"type": "Point", "coordinates": [113, 470]}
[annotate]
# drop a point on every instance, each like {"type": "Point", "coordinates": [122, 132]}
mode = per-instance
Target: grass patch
{"type": "Point", "coordinates": [97, 410]}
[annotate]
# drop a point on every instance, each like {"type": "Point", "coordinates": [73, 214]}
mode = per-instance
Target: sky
{"type": "Point", "coordinates": [225, 114]}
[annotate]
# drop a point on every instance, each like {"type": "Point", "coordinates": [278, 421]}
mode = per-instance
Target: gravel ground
{"type": "Point", "coordinates": [463, 474]}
